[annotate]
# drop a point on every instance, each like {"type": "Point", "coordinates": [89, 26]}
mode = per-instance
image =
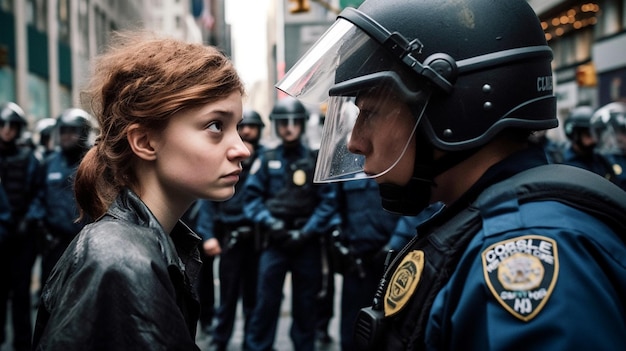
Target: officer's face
{"type": "Point", "coordinates": [381, 132]}
{"type": "Point", "coordinates": [289, 130]}
{"type": "Point", "coordinates": [69, 137]}
{"type": "Point", "coordinates": [248, 132]}
{"type": "Point", "coordinates": [9, 131]}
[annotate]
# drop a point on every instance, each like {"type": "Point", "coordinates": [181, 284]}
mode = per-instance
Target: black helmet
{"type": "Point", "coordinates": [11, 112]}
{"type": "Point", "coordinates": [473, 68]}
{"type": "Point", "coordinates": [608, 125]}
{"type": "Point", "coordinates": [251, 117]}
{"type": "Point", "coordinates": [289, 108]}
{"type": "Point", "coordinates": [579, 118]}
{"type": "Point", "coordinates": [78, 120]}
{"type": "Point", "coordinates": [45, 126]}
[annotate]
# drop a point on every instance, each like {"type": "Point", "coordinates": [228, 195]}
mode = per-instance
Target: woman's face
{"type": "Point", "coordinates": [381, 132]}
{"type": "Point", "coordinates": [199, 153]}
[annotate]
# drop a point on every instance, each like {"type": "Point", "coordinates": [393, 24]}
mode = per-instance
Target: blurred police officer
{"type": "Point", "coordinates": [44, 143]}
{"type": "Point", "coordinates": [239, 259]}
{"type": "Point", "coordinates": [55, 206]}
{"type": "Point", "coordinates": [291, 211]}
{"type": "Point", "coordinates": [582, 151]}
{"type": "Point", "coordinates": [436, 99]}
{"type": "Point", "coordinates": [18, 172]}
{"type": "Point", "coordinates": [609, 127]}
{"type": "Point", "coordinates": [359, 246]}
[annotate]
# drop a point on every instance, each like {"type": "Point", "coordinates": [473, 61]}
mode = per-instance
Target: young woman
{"type": "Point", "coordinates": [168, 114]}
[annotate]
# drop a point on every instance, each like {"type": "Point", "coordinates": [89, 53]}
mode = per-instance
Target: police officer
{"type": "Point", "coordinates": [581, 151]}
{"type": "Point", "coordinates": [18, 172]}
{"type": "Point", "coordinates": [239, 259]}
{"type": "Point", "coordinates": [608, 125]}
{"type": "Point", "coordinates": [291, 211]}
{"type": "Point", "coordinates": [43, 132]}
{"type": "Point", "coordinates": [55, 206]}
{"type": "Point", "coordinates": [359, 249]}
{"type": "Point", "coordinates": [435, 99]}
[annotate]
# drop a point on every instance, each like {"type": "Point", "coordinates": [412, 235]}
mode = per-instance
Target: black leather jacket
{"type": "Point", "coordinates": [123, 284]}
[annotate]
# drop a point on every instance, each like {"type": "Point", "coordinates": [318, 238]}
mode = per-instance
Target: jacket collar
{"type": "Point", "coordinates": [180, 247]}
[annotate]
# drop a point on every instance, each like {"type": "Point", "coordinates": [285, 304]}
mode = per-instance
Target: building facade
{"type": "Point", "coordinates": [46, 45]}
{"type": "Point", "coordinates": [588, 39]}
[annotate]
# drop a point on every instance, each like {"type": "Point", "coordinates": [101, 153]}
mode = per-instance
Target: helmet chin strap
{"type": "Point", "coordinates": [412, 198]}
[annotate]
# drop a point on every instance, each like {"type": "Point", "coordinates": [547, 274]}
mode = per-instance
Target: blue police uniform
{"type": "Point", "coordinates": [56, 207]}
{"type": "Point", "coordinates": [5, 215]}
{"type": "Point", "coordinates": [528, 270]}
{"type": "Point", "coordinates": [18, 171]}
{"type": "Point", "coordinates": [366, 232]}
{"type": "Point", "coordinates": [272, 172]}
{"type": "Point", "coordinates": [618, 164]}
{"type": "Point", "coordinates": [593, 162]}
{"type": "Point", "coordinates": [238, 261]}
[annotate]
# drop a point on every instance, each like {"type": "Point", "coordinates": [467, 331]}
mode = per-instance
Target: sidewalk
{"type": "Point", "coordinates": [283, 342]}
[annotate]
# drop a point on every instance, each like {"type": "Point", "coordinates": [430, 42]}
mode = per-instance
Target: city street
{"type": "Point", "coordinates": [283, 342]}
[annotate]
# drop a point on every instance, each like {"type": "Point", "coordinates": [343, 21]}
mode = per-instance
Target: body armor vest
{"type": "Point", "coordinates": [444, 244]}
{"type": "Point", "coordinates": [16, 181]}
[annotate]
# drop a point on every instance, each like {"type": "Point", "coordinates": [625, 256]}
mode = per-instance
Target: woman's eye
{"type": "Point", "coordinates": [215, 126]}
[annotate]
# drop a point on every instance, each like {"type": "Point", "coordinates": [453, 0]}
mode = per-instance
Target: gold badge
{"type": "Point", "coordinates": [617, 169]}
{"type": "Point", "coordinates": [299, 177]}
{"type": "Point", "coordinates": [521, 273]}
{"type": "Point", "coordinates": [404, 282]}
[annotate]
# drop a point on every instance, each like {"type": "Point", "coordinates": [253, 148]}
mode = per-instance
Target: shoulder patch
{"type": "Point", "coordinates": [404, 282]}
{"type": "Point", "coordinates": [521, 273]}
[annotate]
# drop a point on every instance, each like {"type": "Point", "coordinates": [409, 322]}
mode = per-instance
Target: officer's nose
{"type": "Point", "coordinates": [359, 140]}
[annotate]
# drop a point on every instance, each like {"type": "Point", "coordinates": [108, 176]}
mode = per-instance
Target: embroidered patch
{"type": "Point", "coordinates": [521, 273]}
{"type": "Point", "coordinates": [404, 282]}
{"type": "Point", "coordinates": [299, 177]}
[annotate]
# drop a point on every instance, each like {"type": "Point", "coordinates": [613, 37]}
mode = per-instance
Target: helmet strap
{"type": "Point", "coordinates": [412, 198]}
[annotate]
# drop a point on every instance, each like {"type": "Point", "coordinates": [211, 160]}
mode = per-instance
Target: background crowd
{"type": "Point", "coordinates": [278, 222]}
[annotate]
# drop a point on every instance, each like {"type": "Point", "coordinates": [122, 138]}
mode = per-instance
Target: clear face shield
{"type": "Point", "coordinates": [609, 129]}
{"type": "Point", "coordinates": [370, 110]}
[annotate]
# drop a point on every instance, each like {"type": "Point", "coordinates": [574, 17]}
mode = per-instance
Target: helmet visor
{"type": "Point", "coordinates": [312, 76]}
{"type": "Point", "coordinates": [609, 129]}
{"type": "Point", "coordinates": [371, 111]}
{"type": "Point", "coordinates": [369, 126]}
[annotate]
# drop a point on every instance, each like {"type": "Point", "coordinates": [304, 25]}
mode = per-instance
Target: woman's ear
{"type": "Point", "coordinates": [139, 140]}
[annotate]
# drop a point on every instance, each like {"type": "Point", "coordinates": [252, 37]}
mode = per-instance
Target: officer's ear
{"type": "Point", "coordinates": [141, 142]}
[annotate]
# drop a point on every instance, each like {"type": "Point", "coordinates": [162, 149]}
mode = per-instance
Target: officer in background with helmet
{"type": "Point", "coordinates": [436, 99]}
{"type": "Point", "coordinates": [582, 151]}
{"type": "Point", "coordinates": [608, 125]}
{"type": "Point", "coordinates": [239, 243]}
{"type": "Point", "coordinates": [55, 206]}
{"type": "Point", "coordinates": [291, 213]}
{"type": "Point", "coordinates": [18, 174]}
{"type": "Point", "coordinates": [44, 143]}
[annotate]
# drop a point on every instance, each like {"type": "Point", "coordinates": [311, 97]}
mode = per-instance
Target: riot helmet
{"type": "Point", "coordinates": [467, 70]}
{"type": "Point", "coordinates": [577, 129]}
{"type": "Point", "coordinates": [608, 124]}
{"type": "Point", "coordinates": [77, 122]}
{"type": "Point", "coordinates": [288, 112]}
{"type": "Point", "coordinates": [13, 115]}
{"type": "Point", "coordinates": [43, 131]}
{"type": "Point", "coordinates": [251, 118]}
